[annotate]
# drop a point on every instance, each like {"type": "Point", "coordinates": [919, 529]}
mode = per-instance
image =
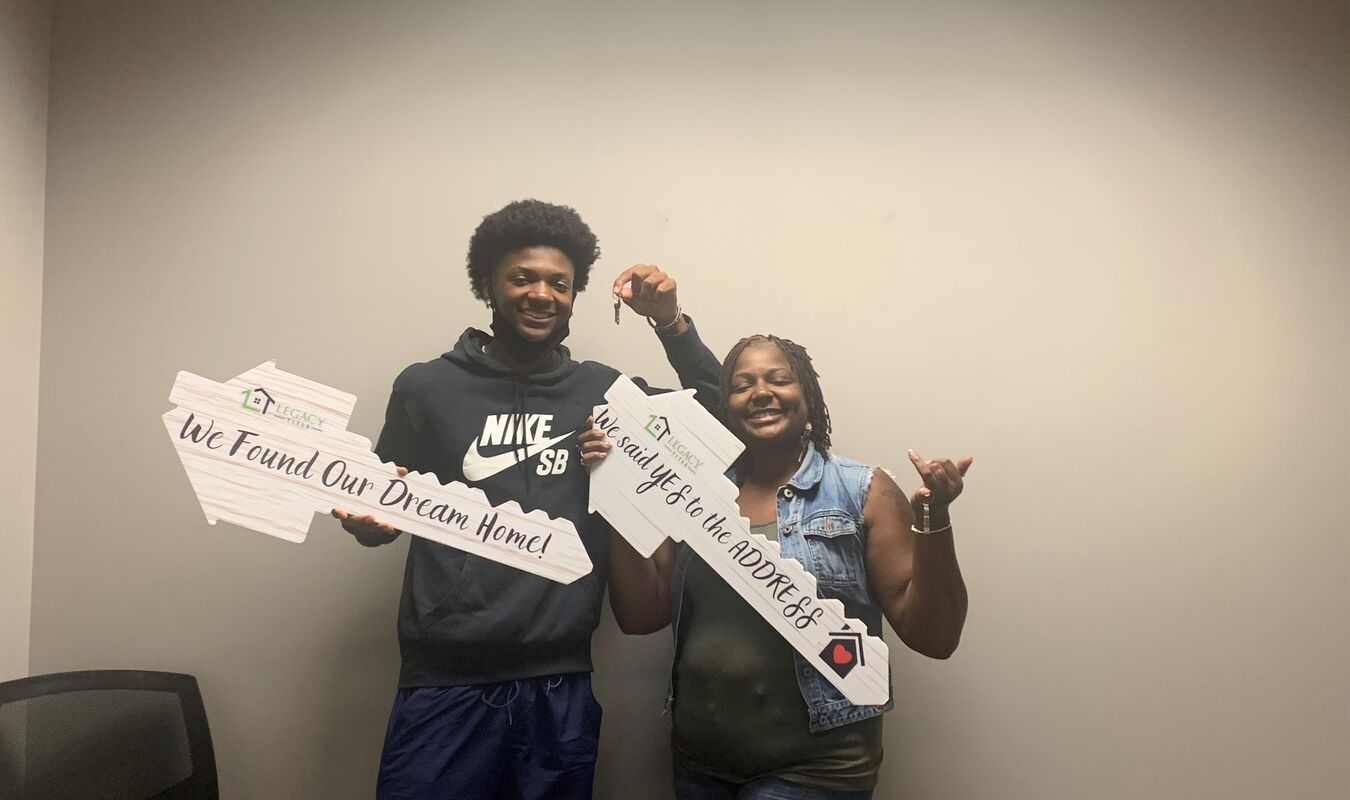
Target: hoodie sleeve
{"type": "Point", "coordinates": [398, 438]}
{"type": "Point", "coordinates": [694, 363]}
{"type": "Point", "coordinates": [398, 443]}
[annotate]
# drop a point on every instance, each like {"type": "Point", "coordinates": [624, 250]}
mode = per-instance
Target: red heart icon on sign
{"type": "Point", "coordinates": [841, 654]}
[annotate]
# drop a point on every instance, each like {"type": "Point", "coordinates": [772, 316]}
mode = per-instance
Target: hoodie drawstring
{"type": "Point", "coordinates": [520, 395]}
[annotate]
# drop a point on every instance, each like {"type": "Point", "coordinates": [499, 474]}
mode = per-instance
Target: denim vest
{"type": "Point", "coordinates": [820, 524]}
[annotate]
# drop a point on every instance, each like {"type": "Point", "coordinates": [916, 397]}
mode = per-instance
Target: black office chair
{"type": "Point", "coordinates": [105, 735]}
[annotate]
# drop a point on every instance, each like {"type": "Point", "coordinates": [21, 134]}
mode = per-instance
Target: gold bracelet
{"type": "Point", "coordinates": [927, 523]}
{"type": "Point", "coordinates": [679, 315]}
{"type": "Point", "coordinates": [925, 533]}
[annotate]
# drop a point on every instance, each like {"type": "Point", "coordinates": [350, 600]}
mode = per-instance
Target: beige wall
{"type": "Point", "coordinates": [1103, 249]}
{"type": "Point", "coordinates": [25, 27]}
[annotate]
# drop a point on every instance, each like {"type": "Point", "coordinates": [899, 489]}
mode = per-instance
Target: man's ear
{"type": "Point", "coordinates": [485, 289]}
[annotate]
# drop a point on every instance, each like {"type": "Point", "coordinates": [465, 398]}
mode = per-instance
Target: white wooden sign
{"type": "Point", "coordinates": [665, 477]}
{"type": "Point", "coordinates": [268, 449]}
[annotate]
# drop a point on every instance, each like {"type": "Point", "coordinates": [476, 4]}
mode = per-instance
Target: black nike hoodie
{"type": "Point", "coordinates": [468, 418]}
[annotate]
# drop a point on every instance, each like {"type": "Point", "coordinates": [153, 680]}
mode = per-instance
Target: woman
{"type": "Point", "coordinates": [751, 718]}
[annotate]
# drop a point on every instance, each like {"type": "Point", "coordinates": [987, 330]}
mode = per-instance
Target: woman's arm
{"type": "Point", "coordinates": [639, 588]}
{"type": "Point", "coordinates": [916, 577]}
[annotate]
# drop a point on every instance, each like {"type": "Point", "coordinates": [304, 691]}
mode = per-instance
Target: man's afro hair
{"type": "Point", "coordinates": [531, 223]}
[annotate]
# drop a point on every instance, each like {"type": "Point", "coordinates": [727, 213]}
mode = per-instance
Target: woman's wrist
{"type": "Point", "coordinates": [933, 519]}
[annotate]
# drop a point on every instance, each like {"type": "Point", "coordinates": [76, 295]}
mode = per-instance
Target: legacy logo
{"type": "Point", "coordinates": [658, 427]}
{"type": "Point", "coordinates": [257, 400]}
{"type": "Point", "coordinates": [527, 436]}
{"type": "Point", "coordinates": [843, 652]}
{"type": "Point", "coordinates": [260, 401]}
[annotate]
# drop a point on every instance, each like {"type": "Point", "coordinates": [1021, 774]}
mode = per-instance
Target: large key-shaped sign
{"type": "Point", "coordinates": [268, 449]}
{"type": "Point", "coordinates": [665, 477]}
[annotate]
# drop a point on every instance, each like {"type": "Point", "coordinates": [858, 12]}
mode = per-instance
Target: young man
{"type": "Point", "coordinates": [494, 696]}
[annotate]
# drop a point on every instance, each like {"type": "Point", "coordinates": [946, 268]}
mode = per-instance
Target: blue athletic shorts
{"type": "Point", "coordinates": [513, 740]}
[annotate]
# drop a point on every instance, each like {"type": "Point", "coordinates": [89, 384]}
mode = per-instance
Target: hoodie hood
{"type": "Point", "coordinates": [471, 353]}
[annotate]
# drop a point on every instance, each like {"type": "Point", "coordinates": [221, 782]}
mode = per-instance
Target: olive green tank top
{"type": "Point", "coordinates": [739, 713]}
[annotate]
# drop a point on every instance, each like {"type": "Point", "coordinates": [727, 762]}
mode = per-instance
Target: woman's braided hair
{"type": "Point", "coordinates": [817, 413]}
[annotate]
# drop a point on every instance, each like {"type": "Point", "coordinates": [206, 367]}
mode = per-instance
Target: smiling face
{"type": "Point", "coordinates": [765, 403]}
{"type": "Point", "coordinates": [532, 288]}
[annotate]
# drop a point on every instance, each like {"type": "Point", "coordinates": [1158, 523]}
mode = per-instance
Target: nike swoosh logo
{"type": "Point", "coordinates": [479, 467]}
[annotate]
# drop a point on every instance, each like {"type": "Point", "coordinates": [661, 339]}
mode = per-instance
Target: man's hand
{"type": "Point", "coordinates": [366, 524]}
{"type": "Point", "coordinates": [592, 444]}
{"type": "Point", "coordinates": [650, 292]}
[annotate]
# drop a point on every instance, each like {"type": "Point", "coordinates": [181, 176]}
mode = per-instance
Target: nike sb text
{"type": "Point", "coordinates": [515, 429]}
{"type": "Point", "coordinates": [528, 435]}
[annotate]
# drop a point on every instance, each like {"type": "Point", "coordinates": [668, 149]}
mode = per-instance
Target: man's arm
{"type": "Point", "coordinates": [695, 364]}
{"type": "Point", "coordinates": [398, 443]}
{"type": "Point", "coordinates": [653, 294]}
{"type": "Point", "coordinates": [639, 588]}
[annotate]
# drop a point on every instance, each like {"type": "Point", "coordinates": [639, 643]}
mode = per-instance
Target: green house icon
{"type": "Point", "coordinates": [257, 400]}
{"type": "Point", "coordinates": [657, 426]}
